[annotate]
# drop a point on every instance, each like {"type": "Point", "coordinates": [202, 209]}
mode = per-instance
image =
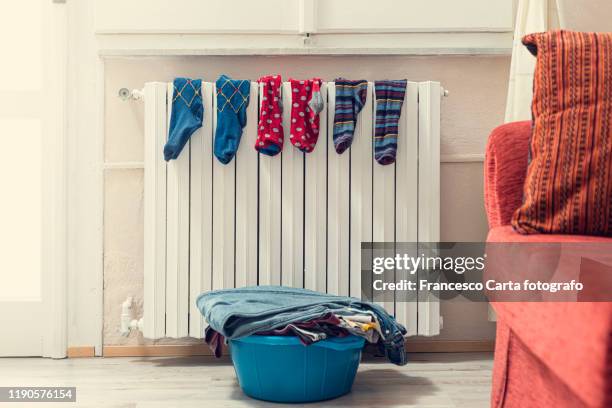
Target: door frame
{"type": "Point", "coordinates": [54, 245]}
{"type": "Point", "coordinates": [84, 80]}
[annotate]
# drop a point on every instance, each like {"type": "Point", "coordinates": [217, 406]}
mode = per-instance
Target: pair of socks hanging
{"type": "Point", "coordinates": [187, 112]}
{"type": "Point", "coordinates": [306, 104]}
{"type": "Point", "coordinates": [233, 98]}
{"type": "Point", "coordinates": [350, 98]}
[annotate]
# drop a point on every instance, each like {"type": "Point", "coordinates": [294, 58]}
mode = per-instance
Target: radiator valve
{"type": "Point", "coordinates": [127, 323]}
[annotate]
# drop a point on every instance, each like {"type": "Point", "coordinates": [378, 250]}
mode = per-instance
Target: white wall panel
{"type": "Point", "coordinates": [413, 15]}
{"type": "Point", "coordinates": [315, 227]}
{"type": "Point", "coordinates": [338, 187]}
{"type": "Point", "coordinates": [177, 238]}
{"type": "Point", "coordinates": [246, 190]}
{"type": "Point", "coordinates": [224, 199]}
{"type": "Point", "coordinates": [292, 203]}
{"type": "Point", "coordinates": [189, 16]}
{"type": "Point", "coordinates": [361, 190]}
{"type": "Point", "coordinates": [282, 16]}
{"type": "Point", "coordinates": [200, 242]}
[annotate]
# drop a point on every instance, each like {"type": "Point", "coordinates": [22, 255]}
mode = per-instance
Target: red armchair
{"type": "Point", "coordinates": [546, 354]}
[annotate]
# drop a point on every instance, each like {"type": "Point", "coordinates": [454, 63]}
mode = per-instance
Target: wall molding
{"type": "Point", "coordinates": [182, 350]}
{"type": "Point", "coordinates": [308, 29]}
{"type": "Point", "coordinates": [415, 43]}
{"type": "Point", "coordinates": [445, 158]}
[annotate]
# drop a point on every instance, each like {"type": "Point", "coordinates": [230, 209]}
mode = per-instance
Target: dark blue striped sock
{"type": "Point", "coordinates": [389, 99]}
{"type": "Point", "coordinates": [350, 98]}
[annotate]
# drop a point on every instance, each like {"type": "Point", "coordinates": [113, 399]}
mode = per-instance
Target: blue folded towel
{"type": "Point", "coordinates": [240, 312]}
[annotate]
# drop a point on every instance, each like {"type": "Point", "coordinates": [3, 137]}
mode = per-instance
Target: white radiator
{"type": "Point", "coordinates": [294, 219]}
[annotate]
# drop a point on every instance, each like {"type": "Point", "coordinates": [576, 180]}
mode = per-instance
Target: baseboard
{"type": "Point", "coordinates": [157, 351]}
{"type": "Point", "coordinates": [413, 346]}
{"type": "Point", "coordinates": [449, 346]}
{"type": "Point", "coordinates": [81, 351]}
{"type": "Point", "coordinates": [462, 158]}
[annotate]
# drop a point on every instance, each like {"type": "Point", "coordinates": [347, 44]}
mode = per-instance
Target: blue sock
{"type": "Point", "coordinates": [350, 98]}
{"type": "Point", "coordinates": [186, 117]}
{"type": "Point", "coordinates": [389, 100]}
{"type": "Point", "coordinates": [232, 101]}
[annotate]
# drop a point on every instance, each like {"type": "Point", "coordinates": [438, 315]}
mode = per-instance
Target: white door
{"type": "Point", "coordinates": [32, 250]}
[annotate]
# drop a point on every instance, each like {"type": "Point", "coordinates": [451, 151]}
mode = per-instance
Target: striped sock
{"type": "Point", "coordinates": [350, 98]}
{"type": "Point", "coordinates": [389, 99]}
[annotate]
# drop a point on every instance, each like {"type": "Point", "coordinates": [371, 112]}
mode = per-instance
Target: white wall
{"type": "Point", "coordinates": [476, 105]}
{"type": "Point", "coordinates": [293, 16]}
{"type": "Point", "coordinates": [158, 27]}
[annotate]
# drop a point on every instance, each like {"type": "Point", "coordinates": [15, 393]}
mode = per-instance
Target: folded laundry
{"type": "Point", "coordinates": [311, 331]}
{"type": "Point", "coordinates": [240, 312]}
{"type": "Point", "coordinates": [305, 336]}
{"type": "Point", "coordinates": [307, 332]}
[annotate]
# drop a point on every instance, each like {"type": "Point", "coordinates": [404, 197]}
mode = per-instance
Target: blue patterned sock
{"type": "Point", "coordinates": [232, 100]}
{"type": "Point", "coordinates": [389, 99]}
{"type": "Point", "coordinates": [350, 98]}
{"type": "Point", "coordinates": [187, 111]}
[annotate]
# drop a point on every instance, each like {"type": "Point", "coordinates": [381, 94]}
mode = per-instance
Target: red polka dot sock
{"type": "Point", "coordinates": [270, 129]}
{"type": "Point", "coordinates": [306, 103]}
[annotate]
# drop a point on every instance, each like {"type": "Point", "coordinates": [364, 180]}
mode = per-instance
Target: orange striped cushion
{"type": "Point", "coordinates": [568, 188]}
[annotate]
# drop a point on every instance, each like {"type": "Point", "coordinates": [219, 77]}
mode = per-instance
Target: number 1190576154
{"type": "Point", "coordinates": [37, 394]}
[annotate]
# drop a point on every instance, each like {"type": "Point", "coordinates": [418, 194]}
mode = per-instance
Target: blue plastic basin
{"type": "Point", "coordinates": [281, 369]}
